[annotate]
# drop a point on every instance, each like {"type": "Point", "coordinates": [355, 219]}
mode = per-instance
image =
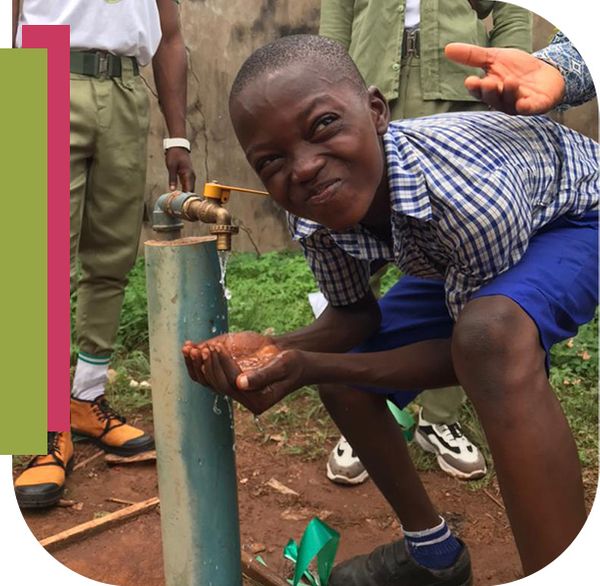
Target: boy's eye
{"type": "Point", "coordinates": [324, 121]}
{"type": "Point", "coordinates": [264, 162]}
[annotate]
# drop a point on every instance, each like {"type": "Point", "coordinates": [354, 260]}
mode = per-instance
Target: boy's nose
{"type": "Point", "coordinates": [305, 167]}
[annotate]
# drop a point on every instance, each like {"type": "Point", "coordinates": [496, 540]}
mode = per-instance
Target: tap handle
{"type": "Point", "coordinates": [214, 190]}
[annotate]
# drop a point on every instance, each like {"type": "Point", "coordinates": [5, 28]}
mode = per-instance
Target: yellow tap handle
{"type": "Point", "coordinates": [214, 190]}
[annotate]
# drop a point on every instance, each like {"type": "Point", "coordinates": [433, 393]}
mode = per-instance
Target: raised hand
{"type": "Point", "coordinates": [515, 82]}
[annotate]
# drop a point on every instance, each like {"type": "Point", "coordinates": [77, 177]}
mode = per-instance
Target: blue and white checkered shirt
{"type": "Point", "coordinates": [467, 192]}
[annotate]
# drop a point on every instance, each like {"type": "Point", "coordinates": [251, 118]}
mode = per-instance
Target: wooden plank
{"type": "Point", "coordinates": [142, 457]}
{"type": "Point", "coordinates": [120, 501]}
{"type": "Point", "coordinates": [250, 567]}
{"type": "Point", "coordinates": [262, 575]}
{"type": "Point", "coordinates": [110, 520]}
{"type": "Point", "coordinates": [88, 460]}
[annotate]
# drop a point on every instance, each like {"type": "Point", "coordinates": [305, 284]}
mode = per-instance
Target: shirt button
{"type": "Point", "coordinates": [396, 66]}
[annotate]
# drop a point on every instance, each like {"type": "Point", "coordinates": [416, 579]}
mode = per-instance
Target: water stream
{"type": "Point", "coordinates": [223, 260]}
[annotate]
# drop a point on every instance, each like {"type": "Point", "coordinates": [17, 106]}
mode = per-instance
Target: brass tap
{"type": "Point", "coordinates": [211, 212]}
{"type": "Point", "coordinates": [170, 208]}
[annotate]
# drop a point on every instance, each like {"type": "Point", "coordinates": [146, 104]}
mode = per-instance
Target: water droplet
{"type": "Point", "coordinates": [216, 409]}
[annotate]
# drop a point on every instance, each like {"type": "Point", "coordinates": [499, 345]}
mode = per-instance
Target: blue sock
{"type": "Point", "coordinates": [434, 548]}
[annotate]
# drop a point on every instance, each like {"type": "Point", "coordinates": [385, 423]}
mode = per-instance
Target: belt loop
{"type": "Point", "coordinates": [127, 71]}
{"type": "Point", "coordinates": [102, 68]}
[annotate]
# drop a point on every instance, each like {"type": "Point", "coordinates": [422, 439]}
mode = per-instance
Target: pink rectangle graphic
{"type": "Point", "coordinates": [56, 40]}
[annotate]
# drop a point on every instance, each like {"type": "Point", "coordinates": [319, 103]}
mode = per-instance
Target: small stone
{"type": "Point", "coordinates": [257, 548]}
{"type": "Point", "coordinates": [134, 384]}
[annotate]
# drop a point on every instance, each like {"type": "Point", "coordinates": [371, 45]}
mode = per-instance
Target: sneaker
{"type": "Point", "coordinates": [343, 466]}
{"type": "Point", "coordinates": [392, 565]}
{"type": "Point", "coordinates": [42, 483]}
{"type": "Point", "coordinates": [97, 421]}
{"type": "Point", "coordinates": [456, 455]}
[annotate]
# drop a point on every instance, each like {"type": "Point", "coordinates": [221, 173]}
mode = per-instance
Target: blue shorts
{"type": "Point", "coordinates": [555, 283]}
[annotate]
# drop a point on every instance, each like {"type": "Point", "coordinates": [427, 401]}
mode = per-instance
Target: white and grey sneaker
{"type": "Point", "coordinates": [343, 466]}
{"type": "Point", "coordinates": [455, 454]}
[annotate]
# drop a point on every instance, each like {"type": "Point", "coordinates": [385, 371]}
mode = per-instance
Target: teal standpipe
{"type": "Point", "coordinates": [193, 426]}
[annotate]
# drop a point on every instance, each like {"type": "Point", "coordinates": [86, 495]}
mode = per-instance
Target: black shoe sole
{"type": "Point", "coordinates": [119, 451]}
{"type": "Point", "coordinates": [43, 501]}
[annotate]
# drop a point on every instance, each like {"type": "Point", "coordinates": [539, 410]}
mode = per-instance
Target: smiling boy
{"type": "Point", "coordinates": [501, 211]}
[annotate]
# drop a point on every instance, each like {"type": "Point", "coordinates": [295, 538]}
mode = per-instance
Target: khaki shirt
{"type": "Point", "coordinates": [372, 32]}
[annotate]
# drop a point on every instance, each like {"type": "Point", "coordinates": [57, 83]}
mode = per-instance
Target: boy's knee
{"type": "Point", "coordinates": [495, 329]}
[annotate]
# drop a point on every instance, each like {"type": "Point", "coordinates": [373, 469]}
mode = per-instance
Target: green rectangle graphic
{"type": "Point", "coordinates": [23, 296]}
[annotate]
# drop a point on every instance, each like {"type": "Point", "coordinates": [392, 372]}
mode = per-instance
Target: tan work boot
{"type": "Point", "coordinates": [97, 421]}
{"type": "Point", "coordinates": [42, 483]}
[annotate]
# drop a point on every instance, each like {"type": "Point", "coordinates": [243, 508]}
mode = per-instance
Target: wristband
{"type": "Point", "coordinates": [169, 143]}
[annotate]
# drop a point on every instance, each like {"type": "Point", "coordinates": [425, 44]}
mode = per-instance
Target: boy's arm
{"type": "Point", "coordinates": [426, 364]}
{"type": "Point", "coordinates": [337, 329]}
{"type": "Point", "coordinates": [512, 27]}
{"type": "Point", "coordinates": [16, 8]}
{"type": "Point", "coordinates": [216, 362]}
{"type": "Point", "coordinates": [170, 75]}
{"type": "Point", "coordinates": [336, 20]}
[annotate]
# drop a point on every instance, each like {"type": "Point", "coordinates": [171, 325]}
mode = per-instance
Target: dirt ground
{"type": "Point", "coordinates": [130, 554]}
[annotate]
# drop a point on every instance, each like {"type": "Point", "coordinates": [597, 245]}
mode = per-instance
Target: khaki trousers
{"type": "Point", "coordinates": [109, 128]}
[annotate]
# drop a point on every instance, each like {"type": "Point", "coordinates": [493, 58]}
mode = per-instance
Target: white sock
{"type": "Point", "coordinates": [91, 375]}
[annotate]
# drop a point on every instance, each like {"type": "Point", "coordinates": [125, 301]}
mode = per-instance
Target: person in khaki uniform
{"type": "Point", "coordinates": [110, 41]}
{"type": "Point", "coordinates": [398, 46]}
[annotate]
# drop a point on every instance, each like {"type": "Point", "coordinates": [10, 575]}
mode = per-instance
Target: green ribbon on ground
{"type": "Point", "coordinates": [320, 541]}
{"type": "Point", "coordinates": [404, 419]}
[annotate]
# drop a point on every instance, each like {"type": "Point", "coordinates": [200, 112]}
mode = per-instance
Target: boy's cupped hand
{"type": "Point", "coordinates": [248, 367]}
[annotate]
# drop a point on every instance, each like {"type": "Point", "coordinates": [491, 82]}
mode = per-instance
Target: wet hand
{"type": "Point", "coordinates": [218, 362]}
{"type": "Point", "coordinates": [515, 82]}
{"type": "Point", "coordinates": [179, 167]}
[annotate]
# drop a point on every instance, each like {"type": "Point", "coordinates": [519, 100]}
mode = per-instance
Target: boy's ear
{"type": "Point", "coordinates": [380, 110]}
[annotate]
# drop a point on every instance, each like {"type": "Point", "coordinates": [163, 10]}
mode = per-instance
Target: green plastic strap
{"type": "Point", "coordinates": [320, 541]}
{"type": "Point", "coordinates": [404, 419]}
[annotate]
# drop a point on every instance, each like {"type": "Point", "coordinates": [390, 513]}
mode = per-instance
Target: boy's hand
{"type": "Point", "coordinates": [217, 363]}
{"type": "Point", "coordinates": [515, 82]}
{"type": "Point", "coordinates": [244, 347]}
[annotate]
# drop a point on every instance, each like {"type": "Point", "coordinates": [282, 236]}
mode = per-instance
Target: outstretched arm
{"type": "Point", "coordinates": [170, 76]}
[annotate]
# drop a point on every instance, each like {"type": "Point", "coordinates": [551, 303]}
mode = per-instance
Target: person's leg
{"type": "Point", "coordinates": [415, 318]}
{"type": "Point", "coordinates": [110, 228]}
{"type": "Point", "coordinates": [441, 405]}
{"type": "Point", "coordinates": [501, 344]}
{"type": "Point", "coordinates": [500, 363]}
{"type": "Point", "coordinates": [379, 443]}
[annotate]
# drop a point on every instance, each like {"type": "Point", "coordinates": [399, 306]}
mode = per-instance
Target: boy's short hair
{"type": "Point", "coordinates": [286, 51]}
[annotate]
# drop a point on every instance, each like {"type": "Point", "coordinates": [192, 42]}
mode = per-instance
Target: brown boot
{"type": "Point", "coordinates": [97, 421]}
{"type": "Point", "coordinates": [42, 483]}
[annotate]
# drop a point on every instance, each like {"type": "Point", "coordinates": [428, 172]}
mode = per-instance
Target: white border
{"type": "Point", "coordinates": [5, 24]}
{"type": "Point", "coordinates": [22, 559]}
